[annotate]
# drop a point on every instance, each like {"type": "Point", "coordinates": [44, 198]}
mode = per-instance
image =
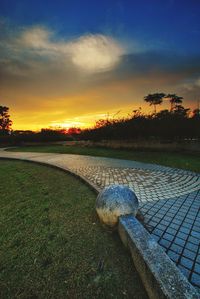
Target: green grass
{"type": "Point", "coordinates": [178, 160]}
{"type": "Point", "coordinates": [51, 242]}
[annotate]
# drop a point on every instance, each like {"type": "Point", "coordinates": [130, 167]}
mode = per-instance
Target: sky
{"type": "Point", "coordinates": [70, 63]}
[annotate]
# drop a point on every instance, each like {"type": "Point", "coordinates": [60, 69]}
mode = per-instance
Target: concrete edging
{"type": "Point", "coordinates": [160, 276]}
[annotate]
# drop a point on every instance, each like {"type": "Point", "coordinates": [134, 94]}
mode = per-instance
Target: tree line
{"type": "Point", "coordinates": [175, 123]}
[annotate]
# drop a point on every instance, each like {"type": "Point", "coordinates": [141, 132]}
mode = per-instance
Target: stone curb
{"type": "Point", "coordinates": [160, 276]}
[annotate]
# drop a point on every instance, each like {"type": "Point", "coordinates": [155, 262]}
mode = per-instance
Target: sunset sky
{"type": "Point", "coordinates": [70, 63]}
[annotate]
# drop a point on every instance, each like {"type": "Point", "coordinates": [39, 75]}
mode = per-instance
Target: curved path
{"type": "Point", "coordinates": [169, 199]}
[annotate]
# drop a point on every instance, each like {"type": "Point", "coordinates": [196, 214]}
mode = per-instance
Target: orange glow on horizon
{"type": "Point", "coordinates": [82, 114]}
{"type": "Point", "coordinates": [82, 121]}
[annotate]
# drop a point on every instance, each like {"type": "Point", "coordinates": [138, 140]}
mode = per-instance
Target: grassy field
{"type": "Point", "coordinates": [179, 160]}
{"type": "Point", "coordinates": [52, 244]}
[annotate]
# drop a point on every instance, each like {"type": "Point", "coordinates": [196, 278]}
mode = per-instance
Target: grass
{"type": "Point", "coordinates": [52, 244]}
{"type": "Point", "coordinates": [177, 160]}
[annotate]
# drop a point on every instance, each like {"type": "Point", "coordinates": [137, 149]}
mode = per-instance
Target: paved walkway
{"type": "Point", "coordinates": [169, 199]}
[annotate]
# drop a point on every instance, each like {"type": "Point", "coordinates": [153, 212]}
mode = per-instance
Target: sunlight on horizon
{"type": "Point", "coordinates": [82, 121]}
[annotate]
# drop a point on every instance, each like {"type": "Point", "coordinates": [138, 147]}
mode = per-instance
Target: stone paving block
{"type": "Point", "coordinates": [176, 248]}
{"type": "Point", "coordinates": [191, 246]}
{"type": "Point", "coordinates": [194, 240]}
{"type": "Point", "coordinates": [185, 271]}
{"type": "Point", "coordinates": [187, 225]}
{"type": "Point", "coordinates": [182, 235]}
{"type": "Point", "coordinates": [157, 232]}
{"type": "Point", "coordinates": [179, 241]}
{"type": "Point", "coordinates": [171, 231]}
{"type": "Point", "coordinates": [196, 228]}
{"type": "Point", "coordinates": [173, 255]}
{"type": "Point", "coordinates": [197, 268]}
{"type": "Point", "coordinates": [187, 263]}
{"type": "Point", "coordinates": [184, 230]}
{"type": "Point", "coordinates": [189, 220]}
{"type": "Point", "coordinates": [189, 254]}
{"type": "Point", "coordinates": [165, 222]}
{"type": "Point", "coordinates": [174, 225]}
{"type": "Point", "coordinates": [160, 226]}
{"type": "Point", "coordinates": [195, 279]}
{"type": "Point", "coordinates": [198, 258]}
{"type": "Point", "coordinates": [168, 237]}
{"type": "Point", "coordinates": [195, 234]}
{"type": "Point", "coordinates": [157, 218]}
{"type": "Point", "coordinates": [165, 243]}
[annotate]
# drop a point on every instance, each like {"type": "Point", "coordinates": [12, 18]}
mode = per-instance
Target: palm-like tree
{"type": "Point", "coordinates": [174, 101]}
{"type": "Point", "coordinates": [154, 99]}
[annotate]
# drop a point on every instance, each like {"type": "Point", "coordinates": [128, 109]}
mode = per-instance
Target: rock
{"type": "Point", "coordinates": [114, 201]}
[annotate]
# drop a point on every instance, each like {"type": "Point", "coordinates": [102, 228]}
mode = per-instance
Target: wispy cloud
{"type": "Point", "coordinates": [95, 52]}
{"type": "Point", "coordinates": [191, 84]}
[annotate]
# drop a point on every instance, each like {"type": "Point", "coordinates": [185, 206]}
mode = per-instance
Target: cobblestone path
{"type": "Point", "coordinates": [169, 199]}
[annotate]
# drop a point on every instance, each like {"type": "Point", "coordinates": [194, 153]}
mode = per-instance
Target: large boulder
{"type": "Point", "coordinates": [114, 201]}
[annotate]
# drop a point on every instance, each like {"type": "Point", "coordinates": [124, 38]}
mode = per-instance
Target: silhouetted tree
{"type": "Point", "coordinates": [174, 100]}
{"type": "Point", "coordinates": [5, 122]}
{"type": "Point", "coordinates": [163, 114]}
{"type": "Point", "coordinates": [196, 113]}
{"type": "Point", "coordinates": [180, 111]}
{"type": "Point", "coordinates": [154, 99]}
{"type": "Point", "coordinates": [137, 112]}
{"type": "Point", "coordinates": [102, 123]}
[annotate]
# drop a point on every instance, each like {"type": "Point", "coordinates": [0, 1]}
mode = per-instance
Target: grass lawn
{"type": "Point", "coordinates": [179, 160]}
{"type": "Point", "coordinates": [51, 242]}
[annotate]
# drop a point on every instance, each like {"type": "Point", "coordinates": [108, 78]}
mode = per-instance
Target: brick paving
{"type": "Point", "coordinates": [169, 200]}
